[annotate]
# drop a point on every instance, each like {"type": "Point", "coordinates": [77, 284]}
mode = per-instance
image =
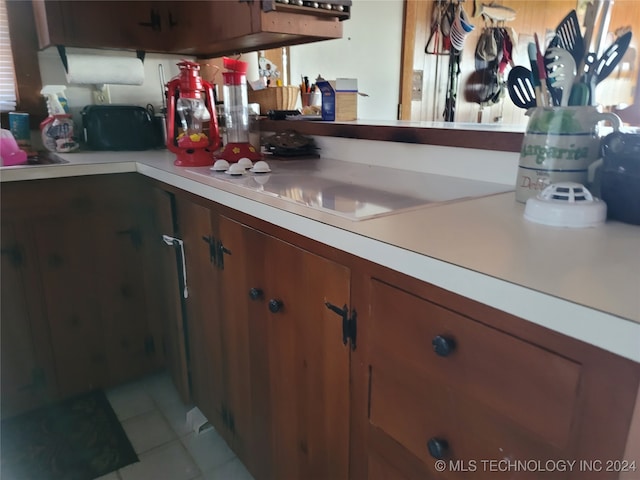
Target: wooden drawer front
{"type": "Point", "coordinates": [73, 195]}
{"type": "Point", "coordinates": [412, 412]}
{"type": "Point", "coordinates": [388, 460]}
{"type": "Point", "coordinates": [533, 387]}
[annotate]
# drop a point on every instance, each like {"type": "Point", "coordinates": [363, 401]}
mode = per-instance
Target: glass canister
{"type": "Point", "coordinates": [559, 145]}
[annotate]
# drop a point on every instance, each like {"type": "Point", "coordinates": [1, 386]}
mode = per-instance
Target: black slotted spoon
{"type": "Point", "coordinates": [520, 87]}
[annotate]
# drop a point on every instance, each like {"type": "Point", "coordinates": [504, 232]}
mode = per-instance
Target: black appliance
{"type": "Point", "coordinates": [120, 127]}
{"type": "Point", "coordinates": [620, 177]}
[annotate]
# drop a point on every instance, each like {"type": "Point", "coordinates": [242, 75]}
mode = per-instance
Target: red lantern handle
{"type": "Point", "coordinates": [171, 112]}
{"type": "Point", "coordinates": [214, 134]}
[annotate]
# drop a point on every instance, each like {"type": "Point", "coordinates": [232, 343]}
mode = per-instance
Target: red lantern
{"type": "Point", "coordinates": [193, 147]}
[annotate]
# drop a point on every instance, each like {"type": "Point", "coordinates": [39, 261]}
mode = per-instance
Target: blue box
{"type": "Point", "coordinates": [328, 101]}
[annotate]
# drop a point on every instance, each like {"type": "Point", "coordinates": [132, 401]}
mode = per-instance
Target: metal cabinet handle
{"type": "Point", "coordinates": [155, 22]}
{"type": "Point", "coordinates": [177, 243]}
{"type": "Point", "coordinates": [221, 251]}
{"type": "Point", "coordinates": [172, 22]}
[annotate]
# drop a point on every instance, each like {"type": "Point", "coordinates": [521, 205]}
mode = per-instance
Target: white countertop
{"type": "Point", "coordinates": [584, 283]}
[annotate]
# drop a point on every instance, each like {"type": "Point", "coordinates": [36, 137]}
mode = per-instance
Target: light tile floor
{"type": "Point", "coordinates": [155, 420]}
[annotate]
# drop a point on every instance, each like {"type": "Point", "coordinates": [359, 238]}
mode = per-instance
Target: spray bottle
{"type": "Point", "coordinates": [58, 129]}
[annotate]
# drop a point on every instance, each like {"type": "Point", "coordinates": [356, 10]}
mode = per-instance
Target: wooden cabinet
{"type": "Point", "coordinates": [267, 361]}
{"type": "Point", "coordinates": [237, 261]}
{"type": "Point", "coordinates": [68, 266]}
{"type": "Point", "coordinates": [205, 353]}
{"type": "Point", "coordinates": [91, 244]}
{"type": "Point", "coordinates": [170, 303]}
{"type": "Point", "coordinates": [134, 25]}
{"type": "Point", "coordinates": [27, 376]}
{"type": "Point", "coordinates": [290, 345]}
{"type": "Point", "coordinates": [217, 343]}
{"type": "Point", "coordinates": [442, 382]}
{"type": "Point", "coordinates": [435, 376]}
{"type": "Point", "coordinates": [202, 28]}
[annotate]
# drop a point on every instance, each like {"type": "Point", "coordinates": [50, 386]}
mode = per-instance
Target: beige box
{"type": "Point", "coordinates": [346, 106]}
{"type": "Point", "coordinates": [339, 99]}
{"type": "Point", "coordinates": [275, 98]}
{"type": "Point", "coordinates": [346, 98]}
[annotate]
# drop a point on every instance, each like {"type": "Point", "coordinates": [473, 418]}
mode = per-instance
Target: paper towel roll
{"type": "Point", "coordinates": [101, 69]}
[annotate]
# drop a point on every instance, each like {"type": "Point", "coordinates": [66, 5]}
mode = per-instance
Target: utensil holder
{"type": "Point", "coordinates": [559, 144]}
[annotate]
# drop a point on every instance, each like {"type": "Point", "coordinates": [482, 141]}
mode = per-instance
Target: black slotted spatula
{"type": "Point", "coordinates": [570, 36]}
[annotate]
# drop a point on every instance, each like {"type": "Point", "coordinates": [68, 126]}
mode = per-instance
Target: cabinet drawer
{"type": "Point", "coordinates": [416, 412]}
{"type": "Point", "coordinates": [532, 387]}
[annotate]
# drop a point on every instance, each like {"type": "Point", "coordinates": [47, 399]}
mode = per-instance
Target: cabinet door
{"type": "Point", "coordinates": [433, 383]}
{"type": "Point", "coordinates": [308, 363]}
{"type": "Point", "coordinates": [91, 243]}
{"type": "Point", "coordinates": [203, 28]}
{"type": "Point", "coordinates": [170, 304]}
{"type": "Point", "coordinates": [204, 332]}
{"type": "Point", "coordinates": [240, 258]}
{"type": "Point", "coordinates": [288, 380]}
{"type": "Point", "coordinates": [129, 344]}
{"type": "Point", "coordinates": [69, 279]}
{"type": "Point", "coordinates": [27, 377]}
{"type": "Point", "coordinates": [102, 24]}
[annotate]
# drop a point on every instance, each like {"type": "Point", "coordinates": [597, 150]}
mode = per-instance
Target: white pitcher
{"type": "Point", "coordinates": [558, 146]}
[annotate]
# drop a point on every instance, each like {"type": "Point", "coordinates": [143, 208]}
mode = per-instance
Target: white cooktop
{"type": "Point", "coordinates": [354, 191]}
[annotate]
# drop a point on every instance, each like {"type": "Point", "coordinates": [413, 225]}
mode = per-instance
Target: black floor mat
{"type": "Point", "coordinates": [76, 439]}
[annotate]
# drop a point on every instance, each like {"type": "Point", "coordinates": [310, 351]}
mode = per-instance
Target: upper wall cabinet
{"type": "Point", "coordinates": [198, 28]}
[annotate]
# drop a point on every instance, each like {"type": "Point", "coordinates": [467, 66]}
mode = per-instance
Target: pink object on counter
{"type": "Point", "coordinates": [9, 150]}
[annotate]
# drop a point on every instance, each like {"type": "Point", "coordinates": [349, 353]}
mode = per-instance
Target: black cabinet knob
{"type": "Point", "coordinates": [443, 346]}
{"type": "Point", "coordinates": [438, 447]}
{"type": "Point", "coordinates": [255, 293]}
{"type": "Point", "coordinates": [275, 305]}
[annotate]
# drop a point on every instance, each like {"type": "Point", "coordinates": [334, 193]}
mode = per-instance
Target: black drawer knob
{"type": "Point", "coordinates": [438, 447]}
{"type": "Point", "coordinates": [255, 294]}
{"type": "Point", "coordinates": [443, 346]}
{"type": "Point", "coordinates": [275, 305]}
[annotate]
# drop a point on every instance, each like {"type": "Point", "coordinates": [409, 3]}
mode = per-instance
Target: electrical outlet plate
{"type": "Point", "coordinates": [416, 86]}
{"type": "Point", "coordinates": [101, 95]}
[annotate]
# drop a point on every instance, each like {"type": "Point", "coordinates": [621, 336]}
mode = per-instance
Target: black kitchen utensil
{"type": "Point", "coordinates": [605, 64]}
{"type": "Point", "coordinates": [452, 86]}
{"type": "Point", "coordinates": [520, 87]}
{"type": "Point", "coordinates": [610, 58]}
{"type": "Point", "coordinates": [570, 36]}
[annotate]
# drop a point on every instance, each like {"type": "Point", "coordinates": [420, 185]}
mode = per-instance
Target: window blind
{"type": "Point", "coordinates": [7, 73]}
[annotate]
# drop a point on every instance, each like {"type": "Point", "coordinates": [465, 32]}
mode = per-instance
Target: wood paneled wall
{"type": "Point", "coordinates": [532, 16]}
